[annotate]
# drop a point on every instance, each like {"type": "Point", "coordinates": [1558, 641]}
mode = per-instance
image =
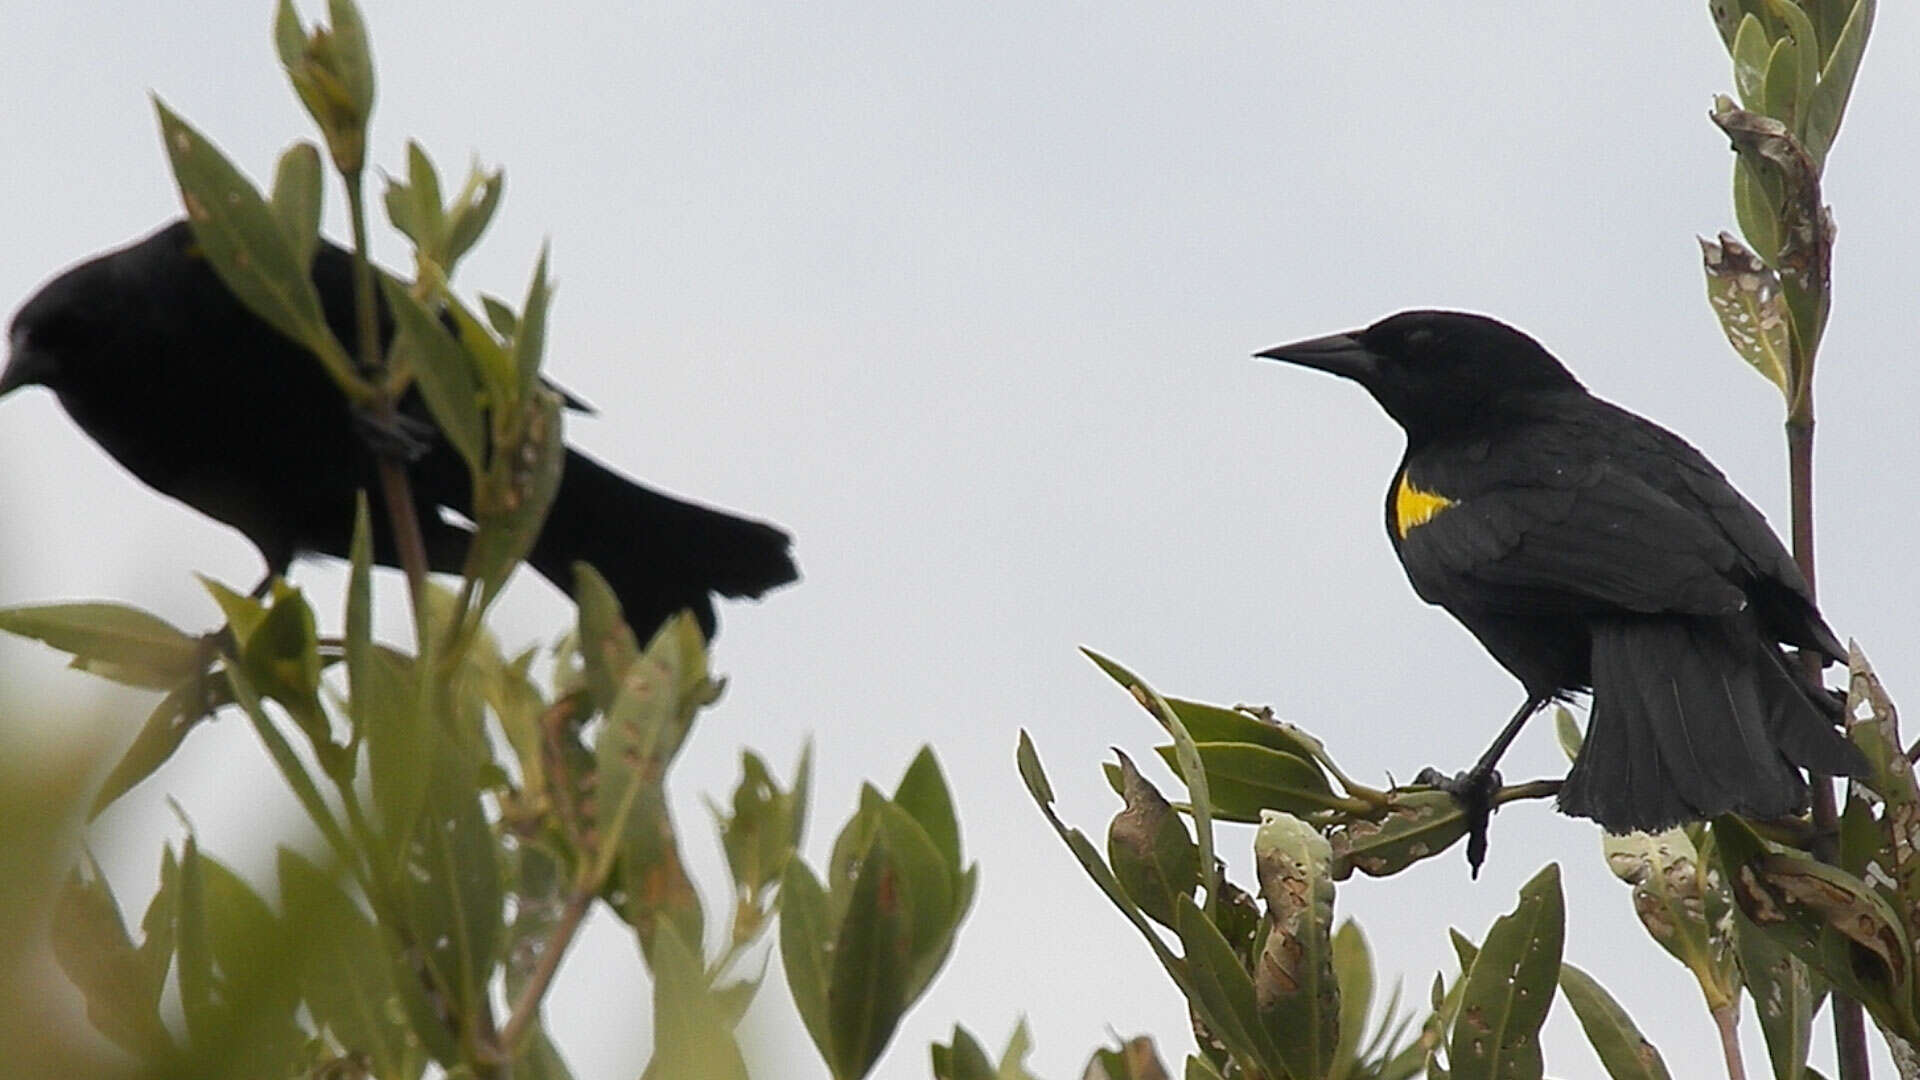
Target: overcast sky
{"type": "Point", "coordinates": [963, 295]}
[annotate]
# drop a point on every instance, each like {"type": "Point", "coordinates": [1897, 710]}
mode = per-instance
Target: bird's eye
{"type": "Point", "coordinates": [1419, 338]}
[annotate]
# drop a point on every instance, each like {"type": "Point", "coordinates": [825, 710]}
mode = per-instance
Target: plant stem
{"type": "Point", "coordinates": [1849, 1025]}
{"type": "Point", "coordinates": [393, 475]}
{"type": "Point", "coordinates": [552, 951]}
{"type": "Point", "coordinates": [1727, 1019]}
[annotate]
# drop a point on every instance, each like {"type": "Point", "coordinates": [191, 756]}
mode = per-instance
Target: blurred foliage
{"type": "Point", "coordinates": [471, 816]}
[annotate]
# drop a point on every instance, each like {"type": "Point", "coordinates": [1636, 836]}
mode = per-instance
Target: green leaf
{"type": "Point", "coordinates": [1805, 254]}
{"type": "Point", "coordinates": [291, 769]}
{"type": "Point", "coordinates": [449, 883]}
{"type": "Point", "coordinates": [1133, 1059]}
{"type": "Point", "coordinates": [256, 961]}
{"type": "Point", "coordinates": [868, 988]}
{"type": "Point", "coordinates": [962, 1059]}
{"type": "Point", "coordinates": [1750, 50]}
{"type": "Point", "coordinates": [194, 952]}
{"type": "Point", "coordinates": [248, 249]}
{"type": "Point", "coordinates": [166, 728]}
{"type": "Point", "coordinates": [1756, 206]}
{"type": "Point", "coordinates": [1567, 730]}
{"type": "Point", "coordinates": [1806, 64]}
{"type": "Point", "coordinates": [282, 658]}
{"type": "Point", "coordinates": [444, 373]}
{"type": "Point", "coordinates": [1828, 918]}
{"type": "Point", "coordinates": [1199, 1068]}
{"type": "Point", "coordinates": [1418, 824]}
{"type": "Point", "coordinates": [1153, 856]}
{"type": "Point", "coordinates": [1780, 89]}
{"type": "Point", "coordinates": [354, 999]}
{"type": "Point", "coordinates": [289, 37]}
{"type": "Point", "coordinates": [1828, 105]}
{"type": "Point", "coordinates": [1506, 996]}
{"type": "Point", "coordinates": [500, 316]}
{"type": "Point", "coordinates": [1626, 1053]}
{"type": "Point", "coordinates": [1784, 995]}
{"type": "Point", "coordinates": [1221, 992]}
{"type": "Point", "coordinates": [530, 340]}
{"type": "Point", "coordinates": [1353, 973]}
{"type": "Point", "coordinates": [692, 1037]}
{"type": "Point", "coordinates": [121, 984]}
{"type": "Point", "coordinates": [512, 498]}
{"type": "Point", "coordinates": [760, 832]}
{"type": "Point", "coordinates": [399, 734]}
{"type": "Point", "coordinates": [1244, 779]}
{"type": "Point", "coordinates": [1745, 295]}
{"type": "Point", "coordinates": [654, 887]}
{"type": "Point", "coordinates": [472, 212]}
{"type": "Point", "coordinates": [1294, 982]}
{"type": "Point", "coordinates": [118, 642]}
{"type": "Point", "coordinates": [1186, 756]}
{"type": "Point", "coordinates": [1669, 896]}
{"type": "Point", "coordinates": [649, 701]}
{"type": "Point", "coordinates": [243, 613]}
{"type": "Point", "coordinates": [923, 794]}
{"type": "Point", "coordinates": [297, 199]}
{"type": "Point", "coordinates": [805, 936]}
{"type": "Point", "coordinates": [1874, 726]}
{"type": "Point", "coordinates": [423, 184]}
{"type": "Point", "coordinates": [352, 57]}
{"type": "Point", "coordinates": [1211, 723]}
{"type": "Point", "coordinates": [1031, 773]}
{"type": "Point", "coordinates": [1034, 776]}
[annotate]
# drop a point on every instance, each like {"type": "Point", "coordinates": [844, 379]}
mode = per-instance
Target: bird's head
{"type": "Point", "coordinates": [94, 313]}
{"type": "Point", "coordinates": [1433, 370]}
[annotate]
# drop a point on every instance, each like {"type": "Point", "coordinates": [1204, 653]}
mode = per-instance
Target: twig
{"type": "Point", "coordinates": [1849, 1024]}
{"type": "Point", "coordinates": [552, 951]}
{"type": "Point", "coordinates": [1532, 789]}
{"type": "Point", "coordinates": [393, 476]}
{"type": "Point", "coordinates": [579, 900]}
{"type": "Point", "coordinates": [1727, 1019]}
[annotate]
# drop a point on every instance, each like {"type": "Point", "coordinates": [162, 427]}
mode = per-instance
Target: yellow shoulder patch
{"type": "Point", "coordinates": [1413, 507]}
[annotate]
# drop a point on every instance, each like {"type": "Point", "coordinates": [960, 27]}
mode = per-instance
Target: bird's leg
{"type": "Point", "coordinates": [1475, 788]}
{"type": "Point", "coordinates": [208, 650]}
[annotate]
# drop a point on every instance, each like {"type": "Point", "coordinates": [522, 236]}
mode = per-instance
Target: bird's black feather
{"type": "Point", "coordinates": [168, 371]}
{"type": "Point", "coordinates": [1590, 549]}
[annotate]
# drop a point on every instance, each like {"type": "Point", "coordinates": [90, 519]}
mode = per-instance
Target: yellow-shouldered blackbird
{"type": "Point", "coordinates": [194, 394]}
{"type": "Point", "coordinates": [1590, 549]}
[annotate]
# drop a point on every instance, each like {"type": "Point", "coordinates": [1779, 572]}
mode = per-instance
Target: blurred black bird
{"type": "Point", "coordinates": [1592, 550]}
{"type": "Point", "coordinates": [168, 371]}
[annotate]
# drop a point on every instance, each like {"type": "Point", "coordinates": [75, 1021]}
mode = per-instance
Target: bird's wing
{"type": "Point", "coordinates": [1685, 474]}
{"type": "Point", "coordinates": [1599, 539]}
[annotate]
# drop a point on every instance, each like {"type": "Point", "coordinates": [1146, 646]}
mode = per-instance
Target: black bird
{"type": "Point", "coordinates": [1590, 549]}
{"type": "Point", "coordinates": [169, 372]}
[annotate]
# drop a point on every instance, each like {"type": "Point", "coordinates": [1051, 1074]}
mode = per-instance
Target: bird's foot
{"type": "Point", "coordinates": [393, 436]}
{"type": "Point", "coordinates": [1474, 790]}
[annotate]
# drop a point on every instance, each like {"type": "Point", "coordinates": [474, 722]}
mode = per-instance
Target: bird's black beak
{"type": "Point", "coordinates": [1340, 354]}
{"type": "Point", "coordinates": [25, 365]}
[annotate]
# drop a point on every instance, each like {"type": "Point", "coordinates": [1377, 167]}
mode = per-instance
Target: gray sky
{"type": "Point", "coordinates": [965, 300]}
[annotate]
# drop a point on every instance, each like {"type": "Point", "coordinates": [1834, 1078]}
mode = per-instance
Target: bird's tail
{"type": "Point", "coordinates": [659, 554]}
{"type": "Point", "coordinates": [1693, 718]}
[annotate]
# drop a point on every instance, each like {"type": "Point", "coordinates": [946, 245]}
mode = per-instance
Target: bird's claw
{"type": "Point", "coordinates": [393, 436]}
{"type": "Point", "coordinates": [1474, 790]}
